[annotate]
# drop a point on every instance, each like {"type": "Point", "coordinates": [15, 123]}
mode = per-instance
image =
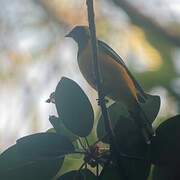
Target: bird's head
{"type": "Point", "coordinates": [80, 34]}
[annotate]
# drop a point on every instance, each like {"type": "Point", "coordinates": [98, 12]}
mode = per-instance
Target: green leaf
{"type": "Point", "coordinates": [130, 143]}
{"type": "Point", "coordinates": [84, 174]}
{"type": "Point", "coordinates": [74, 107]}
{"type": "Point", "coordinates": [42, 145]}
{"type": "Point", "coordinates": [71, 162]}
{"type": "Point", "coordinates": [165, 146]}
{"type": "Point", "coordinates": [8, 158]}
{"type": "Point", "coordinates": [129, 138]}
{"type": "Point", "coordinates": [136, 169]}
{"type": "Point", "coordinates": [166, 173]}
{"type": "Point", "coordinates": [115, 111]}
{"type": "Point", "coordinates": [132, 169]}
{"type": "Point", "coordinates": [60, 128]}
{"type": "Point", "coordinates": [38, 156]}
{"type": "Point", "coordinates": [14, 166]}
{"type": "Point", "coordinates": [51, 130]}
{"type": "Point", "coordinates": [151, 107]}
{"type": "Point", "coordinates": [110, 172]}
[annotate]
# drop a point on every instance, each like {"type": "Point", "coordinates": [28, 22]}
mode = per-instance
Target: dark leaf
{"type": "Point", "coordinates": [110, 172]}
{"type": "Point", "coordinates": [44, 145]}
{"type": "Point", "coordinates": [74, 107]}
{"type": "Point", "coordinates": [84, 174]}
{"type": "Point", "coordinates": [8, 158]}
{"type": "Point", "coordinates": [151, 107]}
{"type": "Point", "coordinates": [129, 138]}
{"type": "Point", "coordinates": [60, 128]}
{"type": "Point", "coordinates": [130, 169]}
{"type": "Point", "coordinates": [131, 143]}
{"type": "Point", "coordinates": [136, 169]}
{"type": "Point", "coordinates": [115, 111]}
{"type": "Point", "coordinates": [71, 162]}
{"type": "Point", "coordinates": [165, 146]}
{"type": "Point", "coordinates": [166, 173]}
{"type": "Point", "coordinates": [16, 167]}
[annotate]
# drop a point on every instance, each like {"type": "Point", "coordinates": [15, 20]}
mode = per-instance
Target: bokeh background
{"type": "Point", "coordinates": [34, 54]}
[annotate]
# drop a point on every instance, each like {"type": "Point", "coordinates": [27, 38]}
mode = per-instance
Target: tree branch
{"type": "Point", "coordinates": [140, 18]}
{"type": "Point", "coordinates": [101, 95]}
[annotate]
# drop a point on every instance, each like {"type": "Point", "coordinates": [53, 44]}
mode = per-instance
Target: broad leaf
{"type": "Point", "coordinates": [74, 107]}
{"type": "Point", "coordinates": [129, 139]}
{"type": "Point", "coordinates": [136, 168]}
{"type": "Point", "coordinates": [51, 130]}
{"type": "Point", "coordinates": [16, 167]}
{"type": "Point", "coordinates": [8, 159]}
{"type": "Point", "coordinates": [115, 111]}
{"type": "Point", "coordinates": [131, 145]}
{"type": "Point", "coordinates": [60, 128]}
{"type": "Point", "coordinates": [165, 146]}
{"type": "Point", "coordinates": [133, 149]}
{"type": "Point", "coordinates": [151, 107]}
{"type": "Point", "coordinates": [166, 173]}
{"type": "Point", "coordinates": [130, 169]}
{"type": "Point", "coordinates": [83, 174]}
{"type": "Point", "coordinates": [37, 156]}
{"type": "Point", "coordinates": [44, 145]}
{"type": "Point", "coordinates": [111, 172]}
{"type": "Point", "coordinates": [71, 162]}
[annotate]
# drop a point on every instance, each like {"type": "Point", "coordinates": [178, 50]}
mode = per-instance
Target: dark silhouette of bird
{"type": "Point", "coordinates": [117, 81]}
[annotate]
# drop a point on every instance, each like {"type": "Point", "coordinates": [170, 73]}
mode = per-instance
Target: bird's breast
{"type": "Point", "coordinates": [86, 65]}
{"type": "Point", "coordinates": [116, 82]}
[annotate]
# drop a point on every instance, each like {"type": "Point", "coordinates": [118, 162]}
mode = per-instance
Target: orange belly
{"type": "Point", "coordinates": [116, 82]}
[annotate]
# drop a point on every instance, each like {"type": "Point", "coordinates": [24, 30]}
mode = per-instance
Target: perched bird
{"type": "Point", "coordinates": [117, 81]}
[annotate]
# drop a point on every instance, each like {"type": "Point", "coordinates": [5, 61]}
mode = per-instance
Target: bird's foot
{"type": "Point", "coordinates": [101, 100]}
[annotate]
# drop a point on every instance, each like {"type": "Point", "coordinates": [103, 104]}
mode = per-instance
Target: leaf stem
{"type": "Point", "coordinates": [97, 170]}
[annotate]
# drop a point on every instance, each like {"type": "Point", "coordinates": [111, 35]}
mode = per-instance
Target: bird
{"type": "Point", "coordinates": [117, 81]}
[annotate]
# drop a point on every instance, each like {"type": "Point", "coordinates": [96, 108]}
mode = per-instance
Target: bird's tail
{"type": "Point", "coordinates": [143, 122]}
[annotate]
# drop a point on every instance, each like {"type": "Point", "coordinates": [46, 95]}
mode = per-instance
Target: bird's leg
{"type": "Point", "coordinates": [104, 98]}
{"type": "Point", "coordinates": [100, 100]}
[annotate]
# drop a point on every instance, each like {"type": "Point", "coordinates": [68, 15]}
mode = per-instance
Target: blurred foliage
{"type": "Point", "coordinates": [34, 53]}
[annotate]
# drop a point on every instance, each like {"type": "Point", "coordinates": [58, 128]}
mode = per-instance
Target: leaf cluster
{"type": "Point", "coordinates": [73, 150]}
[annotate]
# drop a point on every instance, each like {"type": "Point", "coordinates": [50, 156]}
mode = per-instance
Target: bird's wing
{"type": "Point", "coordinates": [108, 50]}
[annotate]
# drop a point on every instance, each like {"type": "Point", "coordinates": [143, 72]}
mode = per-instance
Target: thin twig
{"type": "Point", "coordinates": [83, 164]}
{"type": "Point", "coordinates": [97, 170]}
{"type": "Point", "coordinates": [79, 171]}
{"type": "Point", "coordinates": [101, 95]}
{"type": "Point", "coordinates": [86, 166]}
